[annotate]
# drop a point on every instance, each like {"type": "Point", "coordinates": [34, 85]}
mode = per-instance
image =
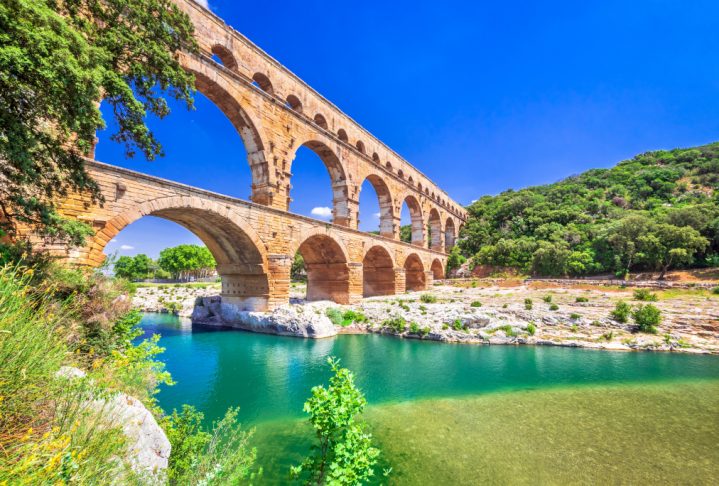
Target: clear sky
{"type": "Point", "coordinates": [479, 95]}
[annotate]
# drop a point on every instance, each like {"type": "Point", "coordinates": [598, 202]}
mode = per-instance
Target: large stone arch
{"type": "Point", "coordinates": [327, 266]}
{"type": "Point", "coordinates": [434, 223]}
{"type": "Point", "coordinates": [450, 234]}
{"type": "Point", "coordinates": [415, 277]}
{"type": "Point", "coordinates": [437, 269]}
{"type": "Point", "coordinates": [385, 201]}
{"type": "Point", "coordinates": [212, 84]}
{"type": "Point", "coordinates": [240, 253]}
{"type": "Point", "coordinates": [338, 177]}
{"type": "Point", "coordinates": [378, 277]}
{"type": "Point", "coordinates": [417, 217]}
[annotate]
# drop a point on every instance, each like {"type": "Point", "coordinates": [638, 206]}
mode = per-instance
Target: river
{"type": "Point", "coordinates": [463, 414]}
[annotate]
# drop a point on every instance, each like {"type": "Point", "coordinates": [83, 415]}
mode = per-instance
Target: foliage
{"type": "Point", "coordinates": [581, 299]}
{"type": "Point", "coordinates": [547, 298]}
{"type": "Point", "coordinates": [298, 272]}
{"type": "Point", "coordinates": [715, 290]}
{"type": "Point", "coordinates": [344, 454]}
{"type": "Point", "coordinates": [553, 307]}
{"type": "Point", "coordinates": [531, 329]}
{"type": "Point", "coordinates": [220, 456]}
{"type": "Point", "coordinates": [138, 267]}
{"type": "Point", "coordinates": [645, 295]}
{"type": "Point", "coordinates": [657, 211]}
{"type": "Point", "coordinates": [647, 317]}
{"type": "Point", "coordinates": [428, 298]}
{"type": "Point", "coordinates": [334, 315]}
{"type": "Point", "coordinates": [476, 303]}
{"type": "Point", "coordinates": [185, 261]}
{"type": "Point", "coordinates": [621, 312]}
{"type": "Point", "coordinates": [575, 316]}
{"type": "Point", "coordinates": [351, 316]}
{"type": "Point", "coordinates": [455, 259]}
{"type": "Point", "coordinates": [405, 233]}
{"type": "Point", "coordinates": [58, 59]}
{"type": "Point", "coordinates": [397, 323]}
{"type": "Point", "coordinates": [528, 304]}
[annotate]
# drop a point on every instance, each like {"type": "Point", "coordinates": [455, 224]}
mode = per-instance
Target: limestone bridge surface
{"type": "Point", "coordinates": [254, 242]}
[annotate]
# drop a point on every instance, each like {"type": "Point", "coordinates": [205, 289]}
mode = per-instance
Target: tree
{"type": "Point", "coordinates": [455, 259]}
{"type": "Point", "coordinates": [297, 271]}
{"type": "Point", "coordinates": [184, 261]}
{"type": "Point", "coordinates": [405, 233]}
{"type": "Point", "coordinates": [58, 60]}
{"type": "Point", "coordinates": [134, 268]}
{"type": "Point", "coordinates": [622, 238]}
{"type": "Point", "coordinates": [668, 245]}
{"type": "Point", "coordinates": [343, 453]}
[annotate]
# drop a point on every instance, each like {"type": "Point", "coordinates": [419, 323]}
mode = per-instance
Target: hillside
{"type": "Point", "coordinates": [657, 211]}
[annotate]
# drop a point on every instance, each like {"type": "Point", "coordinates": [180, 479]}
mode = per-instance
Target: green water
{"type": "Point", "coordinates": [464, 414]}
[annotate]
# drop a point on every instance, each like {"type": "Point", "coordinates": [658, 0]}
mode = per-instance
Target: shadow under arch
{"type": "Point", "coordinates": [326, 264]}
{"type": "Point", "coordinates": [378, 272]}
{"type": "Point", "coordinates": [240, 253]}
{"type": "Point", "coordinates": [437, 269]}
{"type": "Point", "coordinates": [415, 279]}
{"type": "Point", "coordinates": [384, 199]}
{"type": "Point", "coordinates": [338, 179]}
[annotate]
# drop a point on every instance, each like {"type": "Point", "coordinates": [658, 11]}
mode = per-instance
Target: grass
{"type": "Point", "coordinates": [581, 300]}
{"type": "Point", "coordinates": [428, 298]}
{"type": "Point", "coordinates": [345, 318]}
{"type": "Point", "coordinates": [476, 303]}
{"type": "Point", "coordinates": [645, 295]}
{"type": "Point", "coordinates": [528, 304]}
{"type": "Point", "coordinates": [398, 324]}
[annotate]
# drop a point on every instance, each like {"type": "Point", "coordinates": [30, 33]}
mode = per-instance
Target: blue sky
{"type": "Point", "coordinates": [481, 96]}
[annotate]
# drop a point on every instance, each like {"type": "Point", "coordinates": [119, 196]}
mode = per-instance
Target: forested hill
{"type": "Point", "coordinates": [658, 210]}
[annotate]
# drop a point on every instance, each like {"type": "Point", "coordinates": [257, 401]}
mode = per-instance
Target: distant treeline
{"type": "Point", "coordinates": [182, 262]}
{"type": "Point", "coordinates": [657, 211]}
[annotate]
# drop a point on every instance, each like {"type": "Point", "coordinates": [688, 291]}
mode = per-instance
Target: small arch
{"type": "Point", "coordinates": [263, 82]}
{"type": "Point", "coordinates": [400, 174]}
{"type": "Point", "coordinates": [321, 121]}
{"type": "Point", "coordinates": [327, 269]}
{"type": "Point", "coordinates": [415, 279]}
{"type": "Point", "coordinates": [360, 146]}
{"type": "Point", "coordinates": [294, 103]}
{"type": "Point", "coordinates": [225, 56]}
{"type": "Point", "coordinates": [410, 180]}
{"type": "Point", "coordinates": [342, 135]}
{"type": "Point", "coordinates": [450, 236]}
{"type": "Point", "coordinates": [437, 269]}
{"type": "Point", "coordinates": [419, 187]}
{"type": "Point", "coordinates": [435, 230]}
{"type": "Point", "coordinates": [377, 272]}
{"type": "Point", "coordinates": [388, 166]}
{"type": "Point", "coordinates": [375, 158]}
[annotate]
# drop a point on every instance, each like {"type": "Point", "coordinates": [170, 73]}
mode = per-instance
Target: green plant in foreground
{"type": "Point", "coordinates": [220, 456]}
{"type": "Point", "coordinates": [528, 304]}
{"type": "Point", "coordinates": [647, 317]}
{"type": "Point", "coordinates": [334, 315]}
{"type": "Point", "coordinates": [553, 307]}
{"type": "Point", "coordinates": [397, 323]}
{"type": "Point", "coordinates": [621, 312]}
{"type": "Point", "coordinates": [531, 329]}
{"type": "Point", "coordinates": [428, 298]}
{"type": "Point", "coordinates": [351, 316]}
{"type": "Point", "coordinates": [645, 295]}
{"type": "Point", "coordinates": [476, 303]}
{"type": "Point", "coordinates": [343, 454]}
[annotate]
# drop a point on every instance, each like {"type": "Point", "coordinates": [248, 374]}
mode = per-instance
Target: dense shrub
{"type": "Point", "coordinates": [531, 329]}
{"type": "Point", "coordinates": [398, 324]}
{"type": "Point", "coordinates": [476, 303]}
{"type": "Point", "coordinates": [581, 300]}
{"type": "Point", "coordinates": [645, 295]}
{"type": "Point", "coordinates": [528, 304]}
{"type": "Point", "coordinates": [334, 315]}
{"type": "Point", "coordinates": [647, 317]}
{"type": "Point", "coordinates": [553, 307]}
{"type": "Point", "coordinates": [621, 312]}
{"type": "Point", "coordinates": [428, 298]}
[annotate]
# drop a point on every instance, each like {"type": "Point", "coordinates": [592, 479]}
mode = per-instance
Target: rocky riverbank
{"type": "Point", "coordinates": [491, 313]}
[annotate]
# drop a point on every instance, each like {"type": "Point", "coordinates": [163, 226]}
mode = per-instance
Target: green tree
{"type": "Point", "coordinates": [455, 259]}
{"type": "Point", "coordinates": [57, 61]}
{"type": "Point", "coordinates": [343, 453]}
{"type": "Point", "coordinates": [297, 271]}
{"type": "Point", "coordinates": [134, 268]}
{"type": "Point", "coordinates": [668, 245]}
{"type": "Point", "coordinates": [405, 233]}
{"type": "Point", "coordinates": [185, 261]}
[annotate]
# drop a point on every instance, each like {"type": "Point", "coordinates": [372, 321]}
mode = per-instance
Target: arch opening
{"type": "Point", "coordinates": [375, 158]}
{"type": "Point", "coordinates": [377, 273]}
{"type": "Point", "coordinates": [415, 278]}
{"type": "Point", "coordinates": [342, 135]}
{"type": "Point", "coordinates": [294, 103]}
{"type": "Point", "coordinates": [224, 56]}
{"type": "Point", "coordinates": [434, 229]}
{"type": "Point", "coordinates": [305, 188]}
{"type": "Point", "coordinates": [411, 222]}
{"type": "Point", "coordinates": [450, 236]}
{"type": "Point", "coordinates": [360, 146]}
{"type": "Point", "coordinates": [321, 121]}
{"type": "Point", "coordinates": [437, 269]}
{"type": "Point", "coordinates": [375, 207]}
{"type": "Point", "coordinates": [263, 82]}
{"type": "Point", "coordinates": [327, 270]}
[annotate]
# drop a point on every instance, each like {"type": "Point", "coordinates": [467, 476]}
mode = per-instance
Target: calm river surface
{"type": "Point", "coordinates": [463, 414]}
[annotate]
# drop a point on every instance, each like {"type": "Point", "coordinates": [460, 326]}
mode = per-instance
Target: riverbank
{"type": "Point", "coordinates": [504, 312]}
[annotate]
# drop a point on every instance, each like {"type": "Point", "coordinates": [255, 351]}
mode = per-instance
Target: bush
{"type": "Point", "coordinates": [547, 298]}
{"type": "Point", "coordinates": [414, 327]}
{"type": "Point", "coordinates": [222, 455]}
{"type": "Point", "coordinates": [334, 315]}
{"type": "Point", "coordinates": [508, 330]}
{"type": "Point", "coordinates": [531, 328]}
{"type": "Point", "coordinates": [645, 295]}
{"type": "Point", "coordinates": [173, 307]}
{"type": "Point", "coordinates": [458, 325]}
{"type": "Point", "coordinates": [715, 290]}
{"type": "Point", "coordinates": [398, 324]}
{"type": "Point", "coordinates": [528, 304]}
{"type": "Point", "coordinates": [647, 317]}
{"type": "Point", "coordinates": [581, 299]}
{"type": "Point", "coordinates": [350, 316]}
{"type": "Point", "coordinates": [428, 298]}
{"type": "Point", "coordinates": [553, 307]}
{"type": "Point", "coordinates": [424, 331]}
{"type": "Point", "coordinates": [575, 316]}
{"type": "Point", "coordinates": [608, 336]}
{"type": "Point", "coordinates": [621, 312]}
{"type": "Point", "coordinates": [476, 303]}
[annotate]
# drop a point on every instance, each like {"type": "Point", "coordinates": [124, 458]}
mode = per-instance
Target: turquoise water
{"type": "Point", "coordinates": [414, 386]}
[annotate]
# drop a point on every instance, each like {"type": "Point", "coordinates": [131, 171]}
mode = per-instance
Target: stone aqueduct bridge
{"type": "Point", "coordinates": [254, 242]}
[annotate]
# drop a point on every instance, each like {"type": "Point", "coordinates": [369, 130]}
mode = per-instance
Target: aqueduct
{"type": "Point", "coordinates": [254, 242]}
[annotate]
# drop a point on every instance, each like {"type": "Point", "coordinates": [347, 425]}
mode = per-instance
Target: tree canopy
{"type": "Point", "coordinates": [58, 60]}
{"type": "Point", "coordinates": [185, 261]}
{"type": "Point", "coordinates": [656, 211]}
